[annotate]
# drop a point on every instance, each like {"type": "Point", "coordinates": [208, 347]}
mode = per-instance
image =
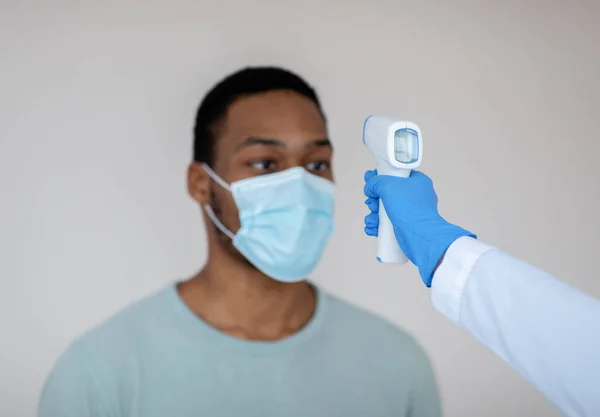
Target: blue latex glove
{"type": "Point", "coordinates": [412, 206]}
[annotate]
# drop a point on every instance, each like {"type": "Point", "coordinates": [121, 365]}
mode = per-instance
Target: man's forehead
{"type": "Point", "coordinates": [275, 115]}
{"type": "Point", "coordinates": [307, 142]}
{"type": "Point", "coordinates": [274, 109]}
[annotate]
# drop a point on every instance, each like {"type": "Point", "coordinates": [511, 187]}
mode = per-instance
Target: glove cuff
{"type": "Point", "coordinates": [443, 234]}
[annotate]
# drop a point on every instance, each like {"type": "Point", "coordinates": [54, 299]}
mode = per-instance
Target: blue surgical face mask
{"type": "Point", "coordinates": [286, 220]}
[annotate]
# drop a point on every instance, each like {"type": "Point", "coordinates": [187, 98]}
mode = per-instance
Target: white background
{"type": "Point", "coordinates": [97, 101]}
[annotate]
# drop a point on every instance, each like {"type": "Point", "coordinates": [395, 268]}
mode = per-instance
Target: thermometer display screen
{"type": "Point", "coordinates": [406, 146]}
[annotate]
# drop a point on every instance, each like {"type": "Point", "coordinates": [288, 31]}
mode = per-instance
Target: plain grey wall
{"type": "Point", "coordinates": [97, 101]}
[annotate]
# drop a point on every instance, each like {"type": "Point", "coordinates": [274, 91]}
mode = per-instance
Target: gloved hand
{"type": "Point", "coordinates": [412, 206]}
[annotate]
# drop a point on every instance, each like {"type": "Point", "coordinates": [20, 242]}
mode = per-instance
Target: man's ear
{"type": "Point", "coordinates": [198, 182]}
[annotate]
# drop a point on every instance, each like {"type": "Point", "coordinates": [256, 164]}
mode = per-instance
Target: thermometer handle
{"type": "Point", "coordinates": [388, 249]}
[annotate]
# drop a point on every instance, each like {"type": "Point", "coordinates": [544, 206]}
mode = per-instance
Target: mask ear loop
{"type": "Point", "coordinates": [208, 208]}
{"type": "Point", "coordinates": [215, 177]}
{"type": "Point", "coordinates": [217, 222]}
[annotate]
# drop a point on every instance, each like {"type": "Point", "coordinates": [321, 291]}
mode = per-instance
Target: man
{"type": "Point", "coordinates": [248, 335]}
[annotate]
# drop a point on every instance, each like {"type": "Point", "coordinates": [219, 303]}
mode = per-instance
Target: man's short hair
{"type": "Point", "coordinates": [245, 82]}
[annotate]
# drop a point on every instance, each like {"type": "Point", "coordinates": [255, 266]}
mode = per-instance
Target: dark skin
{"type": "Point", "coordinates": [260, 134]}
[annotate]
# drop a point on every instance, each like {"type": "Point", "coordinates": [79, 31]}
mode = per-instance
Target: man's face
{"type": "Point", "coordinates": [261, 134]}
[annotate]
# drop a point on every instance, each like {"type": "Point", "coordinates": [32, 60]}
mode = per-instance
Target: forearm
{"type": "Point", "coordinates": [546, 330]}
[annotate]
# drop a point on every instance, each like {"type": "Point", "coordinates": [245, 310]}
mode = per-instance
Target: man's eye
{"type": "Point", "coordinates": [265, 165]}
{"type": "Point", "coordinates": [318, 166]}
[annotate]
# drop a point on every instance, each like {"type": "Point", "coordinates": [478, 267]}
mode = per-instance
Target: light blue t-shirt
{"type": "Point", "coordinates": [158, 359]}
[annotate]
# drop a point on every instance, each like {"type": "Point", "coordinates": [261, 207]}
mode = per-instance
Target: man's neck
{"type": "Point", "coordinates": [239, 300]}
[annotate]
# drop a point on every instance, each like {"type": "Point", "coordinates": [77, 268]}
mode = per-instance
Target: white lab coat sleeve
{"type": "Point", "coordinates": [546, 330]}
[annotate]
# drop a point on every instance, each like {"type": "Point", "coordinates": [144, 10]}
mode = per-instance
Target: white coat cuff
{"type": "Point", "coordinates": [451, 276]}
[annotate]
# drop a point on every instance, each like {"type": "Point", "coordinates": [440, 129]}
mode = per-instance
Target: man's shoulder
{"type": "Point", "coordinates": [359, 318]}
{"type": "Point", "coordinates": [382, 351]}
{"type": "Point", "coordinates": [87, 373]}
{"type": "Point", "coordinates": [370, 329]}
{"type": "Point", "coordinates": [128, 329]}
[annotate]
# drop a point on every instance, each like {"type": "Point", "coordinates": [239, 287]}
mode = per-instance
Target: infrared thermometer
{"type": "Point", "coordinates": [398, 149]}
